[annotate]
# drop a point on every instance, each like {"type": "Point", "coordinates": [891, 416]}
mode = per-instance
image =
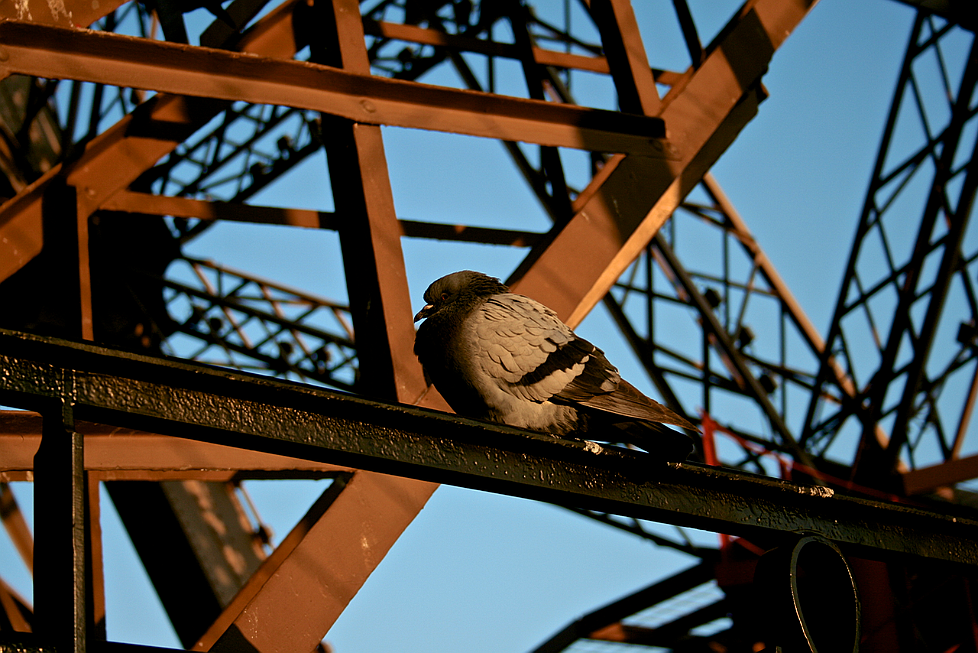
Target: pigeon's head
{"type": "Point", "coordinates": [458, 287]}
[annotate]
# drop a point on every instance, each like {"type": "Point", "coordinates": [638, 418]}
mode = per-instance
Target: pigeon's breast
{"type": "Point", "coordinates": [447, 356]}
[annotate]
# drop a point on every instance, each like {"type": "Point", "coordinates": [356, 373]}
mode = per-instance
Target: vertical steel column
{"type": "Point", "coordinates": [370, 236]}
{"type": "Point", "coordinates": [59, 509]}
{"type": "Point", "coordinates": [629, 64]}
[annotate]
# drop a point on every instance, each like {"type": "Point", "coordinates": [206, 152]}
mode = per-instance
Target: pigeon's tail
{"type": "Point", "coordinates": [657, 440]}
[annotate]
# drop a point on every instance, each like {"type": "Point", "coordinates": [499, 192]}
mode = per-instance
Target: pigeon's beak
{"type": "Point", "coordinates": [424, 312]}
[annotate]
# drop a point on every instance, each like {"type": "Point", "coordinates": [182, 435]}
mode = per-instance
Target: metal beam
{"type": "Point", "coordinates": [347, 542]}
{"type": "Point", "coordinates": [15, 613]}
{"type": "Point", "coordinates": [277, 417]}
{"type": "Point", "coordinates": [128, 201]}
{"type": "Point", "coordinates": [626, 606]}
{"type": "Point", "coordinates": [371, 511]}
{"type": "Point", "coordinates": [543, 57]}
{"type": "Point", "coordinates": [61, 610]}
{"type": "Point", "coordinates": [928, 479]}
{"type": "Point", "coordinates": [110, 450]}
{"type": "Point", "coordinates": [71, 13]}
{"type": "Point", "coordinates": [370, 239]}
{"type": "Point", "coordinates": [951, 231]}
{"type": "Point", "coordinates": [959, 12]}
{"type": "Point", "coordinates": [127, 61]}
{"type": "Point", "coordinates": [116, 157]}
{"type": "Point", "coordinates": [704, 112]}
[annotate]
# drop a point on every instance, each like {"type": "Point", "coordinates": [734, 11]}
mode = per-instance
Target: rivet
{"type": "Point", "coordinates": [368, 106]}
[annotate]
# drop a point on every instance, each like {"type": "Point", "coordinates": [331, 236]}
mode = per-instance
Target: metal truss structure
{"type": "Point", "coordinates": [126, 142]}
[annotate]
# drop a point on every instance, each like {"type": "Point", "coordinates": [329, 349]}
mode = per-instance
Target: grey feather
{"type": "Point", "coordinates": [507, 358]}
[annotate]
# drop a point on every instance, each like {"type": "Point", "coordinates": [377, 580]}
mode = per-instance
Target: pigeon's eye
{"type": "Point", "coordinates": [444, 296]}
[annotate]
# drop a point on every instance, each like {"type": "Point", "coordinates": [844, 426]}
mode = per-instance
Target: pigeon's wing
{"type": "Point", "coordinates": [628, 401]}
{"type": "Point", "coordinates": [532, 355]}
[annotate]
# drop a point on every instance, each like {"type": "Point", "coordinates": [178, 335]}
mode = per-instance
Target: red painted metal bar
{"type": "Point", "coordinates": [704, 113]}
{"type": "Point", "coordinates": [119, 155]}
{"type": "Point", "coordinates": [71, 13]}
{"type": "Point", "coordinates": [144, 203]}
{"type": "Point", "coordinates": [928, 479]}
{"type": "Point", "coordinates": [114, 452]}
{"type": "Point", "coordinates": [349, 539]}
{"type": "Point", "coordinates": [277, 593]}
{"type": "Point", "coordinates": [156, 65]}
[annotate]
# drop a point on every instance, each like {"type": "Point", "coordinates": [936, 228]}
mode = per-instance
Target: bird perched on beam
{"type": "Point", "coordinates": [506, 358]}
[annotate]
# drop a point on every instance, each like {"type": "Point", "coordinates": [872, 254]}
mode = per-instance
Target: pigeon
{"type": "Point", "coordinates": [506, 358]}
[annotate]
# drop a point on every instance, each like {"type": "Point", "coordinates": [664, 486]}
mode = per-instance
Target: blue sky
{"type": "Point", "coordinates": [479, 572]}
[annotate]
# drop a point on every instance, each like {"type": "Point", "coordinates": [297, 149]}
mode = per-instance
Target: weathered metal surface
{"type": "Point", "coordinates": [127, 61]}
{"type": "Point", "coordinates": [370, 238]}
{"type": "Point", "coordinates": [114, 452]}
{"type": "Point", "coordinates": [62, 610]}
{"type": "Point", "coordinates": [278, 417]}
{"type": "Point", "coordinates": [67, 13]}
{"type": "Point", "coordinates": [101, 175]}
{"type": "Point", "coordinates": [356, 541]}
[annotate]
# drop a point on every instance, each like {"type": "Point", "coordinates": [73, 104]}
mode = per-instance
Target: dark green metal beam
{"type": "Point", "coordinates": [199, 402]}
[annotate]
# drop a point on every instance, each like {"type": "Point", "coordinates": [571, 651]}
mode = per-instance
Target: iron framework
{"type": "Point", "coordinates": [124, 144]}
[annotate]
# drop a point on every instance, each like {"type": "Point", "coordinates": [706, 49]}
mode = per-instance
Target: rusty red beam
{"type": "Point", "coordinates": [117, 452]}
{"type": "Point", "coordinates": [14, 608]}
{"type": "Point", "coordinates": [126, 61]}
{"type": "Point", "coordinates": [127, 201]}
{"type": "Point", "coordinates": [71, 13]}
{"type": "Point", "coordinates": [117, 156]}
{"type": "Point", "coordinates": [351, 537]}
{"type": "Point", "coordinates": [927, 479]}
{"type": "Point", "coordinates": [704, 112]}
{"type": "Point", "coordinates": [346, 541]}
